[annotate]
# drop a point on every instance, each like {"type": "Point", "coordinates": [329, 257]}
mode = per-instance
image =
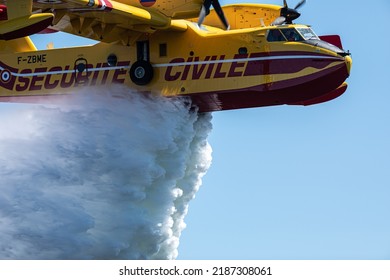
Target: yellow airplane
{"type": "Point", "coordinates": [238, 56]}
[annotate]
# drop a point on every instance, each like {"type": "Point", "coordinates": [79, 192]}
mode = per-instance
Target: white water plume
{"type": "Point", "coordinates": [110, 178]}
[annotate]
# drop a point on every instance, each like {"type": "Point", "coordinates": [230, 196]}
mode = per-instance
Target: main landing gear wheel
{"type": "Point", "coordinates": [141, 72]}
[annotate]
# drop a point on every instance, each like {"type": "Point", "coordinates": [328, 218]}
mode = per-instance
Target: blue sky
{"type": "Point", "coordinates": [312, 182]}
{"type": "Point", "coordinates": [305, 182]}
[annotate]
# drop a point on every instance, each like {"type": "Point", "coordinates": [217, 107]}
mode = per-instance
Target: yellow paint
{"type": "Point", "coordinates": [171, 40]}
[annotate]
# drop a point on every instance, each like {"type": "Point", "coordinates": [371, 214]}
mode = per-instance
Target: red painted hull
{"type": "Point", "coordinates": [299, 91]}
{"type": "Point", "coordinates": [320, 86]}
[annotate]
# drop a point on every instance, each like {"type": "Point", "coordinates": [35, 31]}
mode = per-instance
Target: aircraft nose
{"type": "Point", "coordinates": [348, 62]}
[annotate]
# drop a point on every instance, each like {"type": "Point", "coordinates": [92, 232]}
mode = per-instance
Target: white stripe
{"type": "Point", "coordinates": [244, 60]}
{"type": "Point", "coordinates": [178, 64]}
{"type": "Point", "coordinates": [63, 71]}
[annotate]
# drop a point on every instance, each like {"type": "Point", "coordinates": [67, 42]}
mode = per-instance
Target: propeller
{"type": "Point", "coordinates": [287, 15]}
{"type": "Point", "coordinates": [218, 9]}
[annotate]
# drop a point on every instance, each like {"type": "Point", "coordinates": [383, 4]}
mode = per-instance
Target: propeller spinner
{"type": "Point", "coordinates": [218, 9]}
{"type": "Point", "coordinates": [287, 15]}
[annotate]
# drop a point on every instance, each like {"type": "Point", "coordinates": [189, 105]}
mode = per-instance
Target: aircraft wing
{"type": "Point", "coordinates": [105, 20]}
{"type": "Point", "coordinates": [16, 20]}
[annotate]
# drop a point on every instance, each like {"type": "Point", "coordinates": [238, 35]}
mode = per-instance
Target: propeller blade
{"type": "Point", "coordinates": [288, 14]}
{"type": "Point", "coordinates": [278, 21]}
{"type": "Point", "coordinates": [300, 4]}
{"type": "Point", "coordinates": [205, 10]}
{"type": "Point", "coordinates": [218, 9]}
{"type": "Point", "coordinates": [202, 15]}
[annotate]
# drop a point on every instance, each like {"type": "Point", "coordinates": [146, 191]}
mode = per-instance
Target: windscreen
{"type": "Point", "coordinates": [307, 33]}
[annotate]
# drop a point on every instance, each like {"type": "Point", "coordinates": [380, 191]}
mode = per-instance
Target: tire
{"type": "Point", "coordinates": [141, 72]}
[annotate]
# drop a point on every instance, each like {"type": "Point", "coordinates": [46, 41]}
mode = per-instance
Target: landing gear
{"type": "Point", "coordinates": [141, 72]}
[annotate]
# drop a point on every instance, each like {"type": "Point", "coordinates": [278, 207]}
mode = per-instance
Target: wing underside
{"type": "Point", "coordinates": [103, 20]}
{"type": "Point", "coordinates": [107, 21]}
{"type": "Point", "coordinates": [17, 20]}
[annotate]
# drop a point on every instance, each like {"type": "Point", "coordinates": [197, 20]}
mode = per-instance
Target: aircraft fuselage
{"type": "Point", "coordinates": [218, 70]}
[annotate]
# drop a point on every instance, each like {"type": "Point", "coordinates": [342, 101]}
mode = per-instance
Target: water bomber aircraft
{"type": "Point", "coordinates": [231, 57]}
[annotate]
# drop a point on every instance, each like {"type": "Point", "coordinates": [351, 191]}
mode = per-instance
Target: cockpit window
{"type": "Point", "coordinates": [274, 35]}
{"type": "Point", "coordinates": [307, 33]}
{"type": "Point", "coordinates": [284, 34]}
{"type": "Point", "coordinates": [292, 35]}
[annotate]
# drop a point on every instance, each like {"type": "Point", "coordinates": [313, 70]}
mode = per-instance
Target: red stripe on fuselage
{"type": "Point", "coordinates": [283, 66]}
{"type": "Point", "coordinates": [241, 65]}
{"type": "Point", "coordinates": [284, 92]}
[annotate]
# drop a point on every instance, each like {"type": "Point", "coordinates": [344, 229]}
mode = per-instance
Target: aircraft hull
{"type": "Point", "coordinates": [316, 87]}
{"type": "Point", "coordinates": [308, 90]}
{"type": "Point", "coordinates": [305, 90]}
{"type": "Point", "coordinates": [249, 72]}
